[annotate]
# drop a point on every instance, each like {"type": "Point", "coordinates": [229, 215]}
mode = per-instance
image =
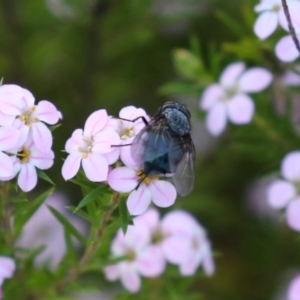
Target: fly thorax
{"type": "Point", "coordinates": [87, 148]}
{"type": "Point", "coordinates": [28, 117]}
{"type": "Point", "coordinates": [177, 121]}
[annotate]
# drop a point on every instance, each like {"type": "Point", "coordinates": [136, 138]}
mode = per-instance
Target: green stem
{"type": "Point", "coordinates": [6, 219]}
{"type": "Point", "coordinates": [93, 246]}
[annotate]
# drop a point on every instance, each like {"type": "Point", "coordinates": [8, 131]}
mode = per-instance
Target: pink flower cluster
{"type": "Point", "coordinates": [25, 139]}
{"type": "Point", "coordinates": [93, 149]}
{"type": "Point", "coordinates": [7, 269]}
{"type": "Point", "coordinates": [177, 238]}
{"type": "Point", "coordinates": [284, 193]}
{"type": "Point", "coordinates": [271, 14]}
{"type": "Point", "coordinates": [229, 100]}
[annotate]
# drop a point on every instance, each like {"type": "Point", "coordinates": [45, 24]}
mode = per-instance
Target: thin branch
{"type": "Point", "coordinates": [290, 24]}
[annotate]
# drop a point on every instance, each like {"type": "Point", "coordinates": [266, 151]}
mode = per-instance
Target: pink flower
{"type": "Point", "coordinates": [284, 193]}
{"type": "Point", "coordinates": [228, 99]}
{"type": "Point", "coordinates": [18, 110]}
{"type": "Point", "coordinates": [285, 49]}
{"type": "Point", "coordinates": [90, 147]}
{"type": "Point", "coordinates": [294, 289]}
{"type": "Point", "coordinates": [8, 139]}
{"type": "Point", "coordinates": [180, 239]}
{"type": "Point", "coordinates": [7, 268]}
{"type": "Point", "coordinates": [128, 130]}
{"type": "Point", "coordinates": [142, 190]}
{"type": "Point", "coordinates": [271, 14]}
{"type": "Point", "coordinates": [141, 258]}
{"type": "Point", "coordinates": [25, 160]}
{"type": "Point", "coordinates": [186, 243]}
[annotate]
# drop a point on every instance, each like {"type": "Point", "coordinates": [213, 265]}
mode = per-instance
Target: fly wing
{"type": "Point", "coordinates": [182, 161]}
{"type": "Point", "coordinates": [152, 142]}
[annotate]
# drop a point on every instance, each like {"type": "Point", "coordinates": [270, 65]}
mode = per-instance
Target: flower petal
{"type": "Point", "coordinates": [240, 109]}
{"type": "Point", "coordinates": [28, 99]}
{"type": "Point", "coordinates": [131, 280]}
{"type": "Point", "coordinates": [255, 80]}
{"type": "Point", "coordinates": [112, 156]}
{"type": "Point", "coordinates": [7, 267]}
{"type": "Point", "coordinates": [266, 5]}
{"type": "Point", "coordinates": [293, 213]}
{"type": "Point", "coordinates": [279, 193]}
{"type": "Point", "coordinates": [151, 262]}
{"type": "Point", "coordinates": [71, 165]}
{"type": "Point", "coordinates": [104, 140]}
{"type": "Point", "coordinates": [190, 265]}
{"type": "Point", "coordinates": [95, 122]}
{"type": "Point", "coordinates": [216, 119]}
{"type": "Point", "coordinates": [290, 166]}
{"type": "Point", "coordinates": [286, 50]}
{"type": "Point", "coordinates": [6, 120]}
{"type": "Point", "coordinates": [122, 179]}
{"type": "Point", "coordinates": [10, 99]}
{"type": "Point", "coordinates": [294, 10]}
{"type": "Point", "coordinates": [208, 261]}
{"type": "Point", "coordinates": [42, 137]}
{"type": "Point", "coordinates": [139, 200]}
{"type": "Point", "coordinates": [42, 160]}
{"type": "Point", "coordinates": [176, 248]}
{"type": "Point", "coordinates": [294, 289]}
{"type": "Point", "coordinates": [47, 112]}
{"type": "Point", "coordinates": [112, 272]}
{"type": "Point", "coordinates": [231, 73]}
{"type": "Point", "coordinates": [211, 95]}
{"type": "Point", "coordinates": [266, 24]}
{"type": "Point", "coordinates": [150, 219]}
{"type": "Point", "coordinates": [75, 141]}
{"type": "Point", "coordinates": [95, 167]}
{"type": "Point", "coordinates": [27, 178]}
{"type": "Point", "coordinates": [9, 138]}
{"type": "Point", "coordinates": [6, 166]}
{"type": "Point", "coordinates": [163, 193]}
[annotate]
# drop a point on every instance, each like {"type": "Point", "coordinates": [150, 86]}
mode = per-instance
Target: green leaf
{"type": "Point", "coordinates": [44, 176]}
{"type": "Point", "coordinates": [67, 225]}
{"type": "Point", "coordinates": [81, 213]}
{"type": "Point", "coordinates": [188, 65]}
{"type": "Point", "coordinates": [52, 128]}
{"type": "Point", "coordinates": [70, 255]}
{"type": "Point", "coordinates": [85, 183]}
{"type": "Point", "coordinates": [125, 218]}
{"type": "Point", "coordinates": [25, 210]}
{"type": "Point", "coordinates": [234, 26]}
{"type": "Point", "coordinates": [91, 196]}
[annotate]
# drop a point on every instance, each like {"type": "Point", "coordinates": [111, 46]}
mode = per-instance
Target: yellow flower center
{"type": "Point", "coordinates": [24, 155]}
{"type": "Point", "coordinates": [195, 244]}
{"type": "Point", "coordinates": [127, 132]}
{"type": "Point", "coordinates": [28, 118]}
{"type": "Point", "coordinates": [130, 254]}
{"type": "Point", "coordinates": [276, 7]}
{"type": "Point", "coordinates": [146, 179]}
{"type": "Point", "coordinates": [87, 148]}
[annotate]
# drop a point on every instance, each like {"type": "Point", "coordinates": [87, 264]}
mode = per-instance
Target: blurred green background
{"type": "Point", "coordinates": [91, 54]}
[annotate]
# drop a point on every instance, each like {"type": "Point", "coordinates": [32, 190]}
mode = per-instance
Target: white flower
{"type": "Point", "coordinates": [283, 193]}
{"type": "Point", "coordinates": [228, 99]}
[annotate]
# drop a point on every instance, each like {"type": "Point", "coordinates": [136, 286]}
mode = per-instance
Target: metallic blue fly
{"type": "Point", "coordinates": [165, 146]}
